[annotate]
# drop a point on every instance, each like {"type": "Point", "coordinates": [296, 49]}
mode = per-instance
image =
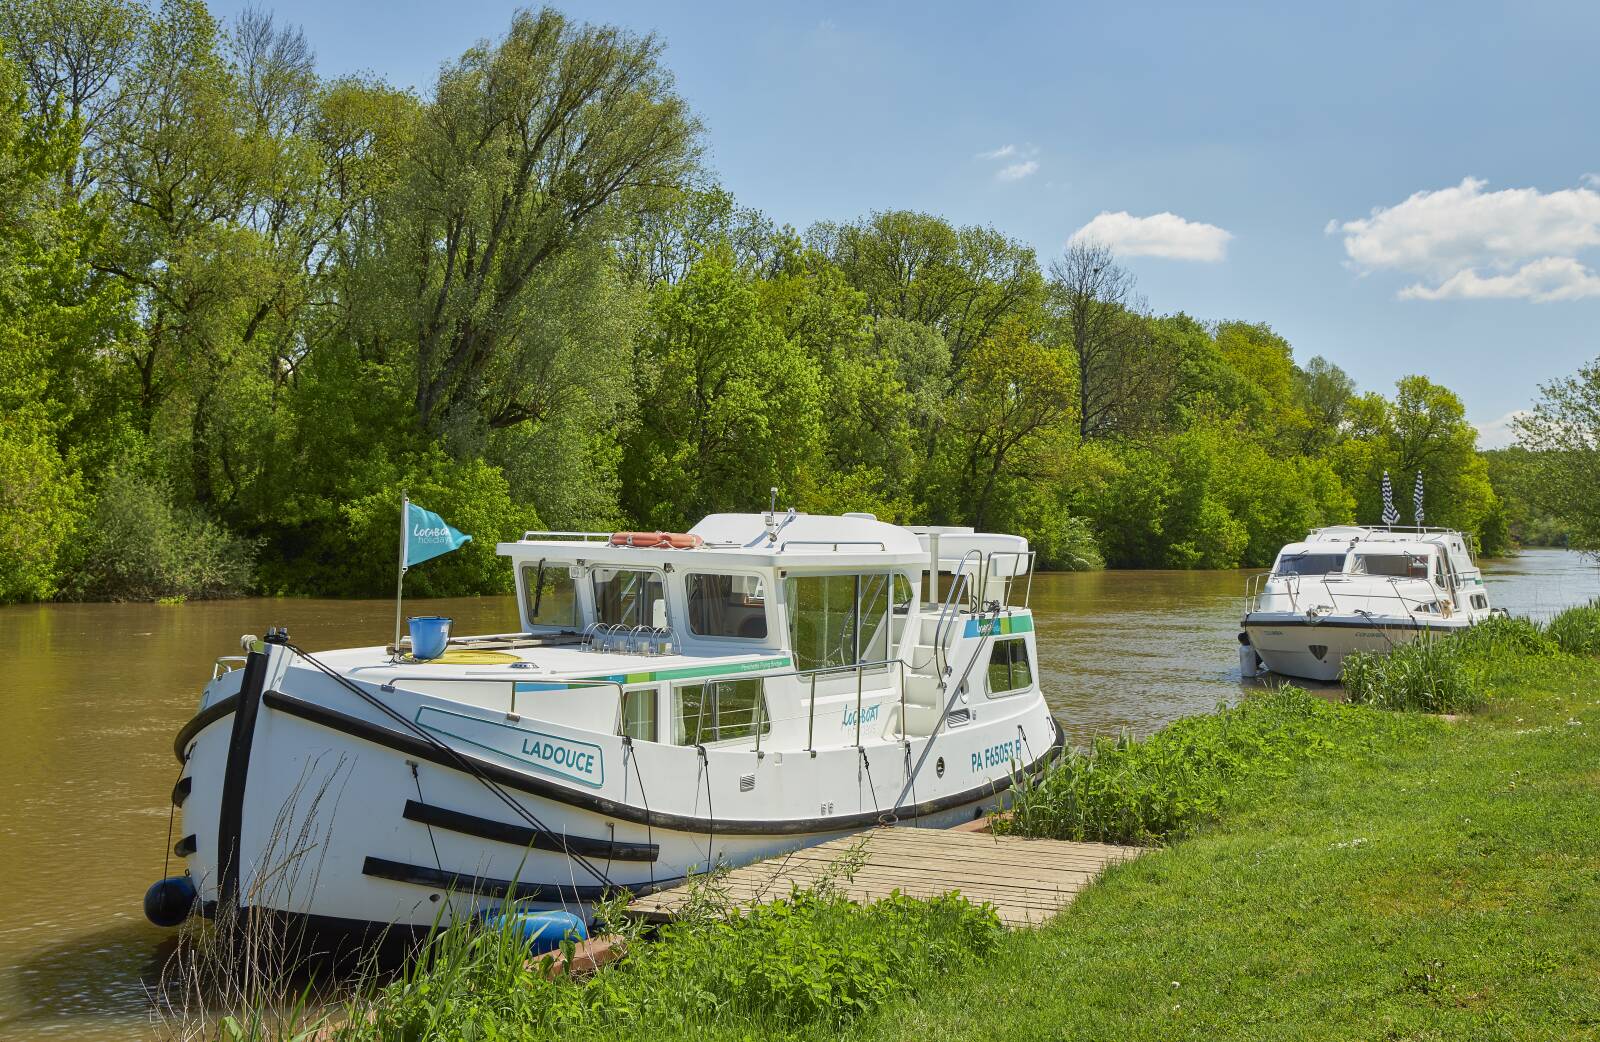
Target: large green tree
{"type": "Point", "coordinates": [1562, 431]}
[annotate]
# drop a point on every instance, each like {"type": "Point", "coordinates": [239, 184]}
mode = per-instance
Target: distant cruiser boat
{"type": "Point", "coordinates": [671, 702]}
{"type": "Point", "coordinates": [1349, 588]}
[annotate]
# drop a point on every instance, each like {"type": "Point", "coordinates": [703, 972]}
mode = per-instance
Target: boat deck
{"type": "Point", "coordinates": [1026, 880]}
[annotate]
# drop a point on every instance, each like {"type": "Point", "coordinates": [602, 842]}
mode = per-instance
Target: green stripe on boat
{"type": "Point", "coordinates": [683, 673]}
{"type": "Point", "coordinates": [1000, 626]}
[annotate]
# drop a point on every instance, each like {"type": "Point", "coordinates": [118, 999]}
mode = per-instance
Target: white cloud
{"type": "Point", "coordinates": [1017, 171]}
{"type": "Point", "coordinates": [1159, 235]}
{"type": "Point", "coordinates": [1542, 281]}
{"type": "Point", "coordinates": [1025, 165]}
{"type": "Point", "coordinates": [1467, 243]}
{"type": "Point", "coordinates": [1499, 433]}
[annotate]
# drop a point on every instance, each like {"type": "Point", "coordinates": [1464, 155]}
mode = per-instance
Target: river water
{"type": "Point", "coordinates": [95, 692]}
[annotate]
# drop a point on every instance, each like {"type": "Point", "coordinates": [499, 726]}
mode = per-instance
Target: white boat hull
{"type": "Point", "coordinates": [307, 800]}
{"type": "Point", "coordinates": [1315, 648]}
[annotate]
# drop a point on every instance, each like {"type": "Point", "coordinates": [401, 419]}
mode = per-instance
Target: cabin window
{"type": "Point", "coordinates": [549, 595]}
{"type": "Point", "coordinates": [1009, 670]}
{"type": "Point", "coordinates": [628, 597]}
{"type": "Point", "coordinates": [1399, 566]}
{"type": "Point", "coordinates": [639, 714]}
{"type": "Point", "coordinates": [1309, 564]}
{"type": "Point", "coordinates": [1479, 601]}
{"type": "Point", "coordinates": [727, 606]}
{"type": "Point", "coordinates": [719, 711]}
{"type": "Point", "coordinates": [838, 620]}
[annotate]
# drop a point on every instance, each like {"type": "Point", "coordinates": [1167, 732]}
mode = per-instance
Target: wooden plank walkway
{"type": "Point", "coordinates": [1027, 880]}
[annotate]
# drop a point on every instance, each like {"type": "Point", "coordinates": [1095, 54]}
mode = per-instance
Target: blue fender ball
{"type": "Point", "coordinates": [169, 901]}
{"type": "Point", "coordinates": [542, 931]}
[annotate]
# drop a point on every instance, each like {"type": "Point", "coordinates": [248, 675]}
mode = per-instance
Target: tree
{"type": "Point", "coordinates": [1017, 394]}
{"type": "Point", "coordinates": [530, 149]}
{"type": "Point", "coordinates": [1324, 392]}
{"type": "Point", "coordinates": [728, 406]}
{"type": "Point", "coordinates": [962, 282]}
{"type": "Point", "coordinates": [1563, 430]}
{"type": "Point", "coordinates": [1121, 368]}
{"type": "Point", "coordinates": [1423, 429]}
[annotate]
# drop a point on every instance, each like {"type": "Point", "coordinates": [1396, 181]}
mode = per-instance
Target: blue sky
{"type": "Point", "coordinates": [1397, 187]}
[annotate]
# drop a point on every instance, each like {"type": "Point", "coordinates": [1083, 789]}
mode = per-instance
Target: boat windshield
{"type": "Point", "coordinates": [1309, 564]}
{"type": "Point", "coordinates": [1400, 566]}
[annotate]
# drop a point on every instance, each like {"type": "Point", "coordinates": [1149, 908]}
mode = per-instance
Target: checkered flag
{"type": "Point", "coordinates": [1391, 516]}
{"type": "Point", "coordinates": [1416, 499]}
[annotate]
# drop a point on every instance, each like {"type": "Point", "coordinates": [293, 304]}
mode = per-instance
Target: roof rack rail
{"type": "Point", "coordinates": [582, 537]}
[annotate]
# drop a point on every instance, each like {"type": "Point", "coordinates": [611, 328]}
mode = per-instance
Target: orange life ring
{"type": "Point", "coordinates": [657, 540]}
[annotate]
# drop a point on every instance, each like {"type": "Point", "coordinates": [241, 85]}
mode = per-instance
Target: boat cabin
{"type": "Point", "coordinates": [1439, 557]}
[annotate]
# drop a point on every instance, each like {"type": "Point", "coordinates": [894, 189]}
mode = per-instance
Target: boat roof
{"type": "Point", "coordinates": [777, 540]}
{"type": "Point", "coordinates": [1377, 540]}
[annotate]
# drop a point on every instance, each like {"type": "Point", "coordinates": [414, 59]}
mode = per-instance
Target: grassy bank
{"type": "Point", "coordinates": [1329, 872]}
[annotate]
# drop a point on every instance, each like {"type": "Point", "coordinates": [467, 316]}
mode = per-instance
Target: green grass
{"type": "Point", "coordinates": [1441, 883]}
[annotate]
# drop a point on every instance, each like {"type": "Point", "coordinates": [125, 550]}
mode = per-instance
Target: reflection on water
{"type": "Point", "coordinates": [95, 692]}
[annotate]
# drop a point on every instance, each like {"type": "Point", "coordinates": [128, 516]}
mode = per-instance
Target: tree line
{"type": "Point", "coordinates": [244, 304]}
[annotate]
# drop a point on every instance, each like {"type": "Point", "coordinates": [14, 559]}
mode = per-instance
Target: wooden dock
{"type": "Point", "coordinates": [1026, 880]}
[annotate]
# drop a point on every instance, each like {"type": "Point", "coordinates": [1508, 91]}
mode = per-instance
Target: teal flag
{"type": "Point", "coordinates": [427, 536]}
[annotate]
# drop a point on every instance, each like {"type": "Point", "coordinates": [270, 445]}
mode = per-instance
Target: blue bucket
{"type": "Point", "coordinates": [430, 635]}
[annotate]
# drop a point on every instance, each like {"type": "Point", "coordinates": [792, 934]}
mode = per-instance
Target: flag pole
{"type": "Point", "coordinates": [400, 579]}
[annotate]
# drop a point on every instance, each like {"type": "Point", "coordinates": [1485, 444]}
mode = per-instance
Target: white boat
{"type": "Point", "coordinates": [669, 703]}
{"type": "Point", "coordinates": [1349, 588]}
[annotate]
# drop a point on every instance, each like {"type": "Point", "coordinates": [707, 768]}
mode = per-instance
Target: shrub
{"type": "Point", "coordinates": [138, 546]}
{"type": "Point", "coordinates": [813, 960]}
{"type": "Point", "coordinates": [1577, 630]}
{"type": "Point", "coordinates": [1500, 635]}
{"type": "Point", "coordinates": [1428, 675]}
{"type": "Point", "coordinates": [1160, 788]}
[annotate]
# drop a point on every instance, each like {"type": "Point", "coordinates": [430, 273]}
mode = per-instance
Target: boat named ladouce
{"type": "Point", "coordinates": [669, 703]}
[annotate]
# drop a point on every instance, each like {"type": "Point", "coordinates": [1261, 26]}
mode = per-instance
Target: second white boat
{"type": "Point", "coordinates": [1348, 588]}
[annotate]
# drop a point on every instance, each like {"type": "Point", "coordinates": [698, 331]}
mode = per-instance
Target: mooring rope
{"type": "Point", "coordinates": [630, 756]}
{"type": "Point", "coordinates": [416, 779]}
{"type": "Point", "coordinates": [711, 812]}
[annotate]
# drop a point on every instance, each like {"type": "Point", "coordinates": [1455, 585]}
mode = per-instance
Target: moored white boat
{"type": "Point", "coordinates": [765, 682]}
{"type": "Point", "coordinates": [1348, 588]}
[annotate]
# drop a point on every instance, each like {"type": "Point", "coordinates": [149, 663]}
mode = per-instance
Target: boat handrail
{"type": "Point", "coordinates": [962, 583]}
{"type": "Point", "coordinates": [585, 537]}
{"type": "Point", "coordinates": [1013, 576]}
{"type": "Point", "coordinates": [835, 543]}
{"type": "Point", "coordinates": [224, 664]}
{"type": "Point", "coordinates": [1254, 591]}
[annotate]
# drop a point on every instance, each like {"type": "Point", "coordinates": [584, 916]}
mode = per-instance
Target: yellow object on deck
{"type": "Point", "coordinates": [465, 657]}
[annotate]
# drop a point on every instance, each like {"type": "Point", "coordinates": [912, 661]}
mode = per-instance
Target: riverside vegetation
{"type": "Point", "coordinates": [1331, 871]}
{"type": "Point", "coordinates": [244, 303]}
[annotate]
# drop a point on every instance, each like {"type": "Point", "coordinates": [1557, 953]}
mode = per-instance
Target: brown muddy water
{"type": "Point", "coordinates": [93, 694]}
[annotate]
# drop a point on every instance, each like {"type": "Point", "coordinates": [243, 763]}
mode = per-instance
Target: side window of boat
{"type": "Point", "coordinates": [549, 595]}
{"type": "Point", "coordinates": [719, 711]}
{"type": "Point", "coordinates": [1009, 669]}
{"type": "Point", "coordinates": [727, 605]}
{"type": "Point", "coordinates": [1479, 601]}
{"type": "Point", "coordinates": [627, 597]}
{"type": "Point", "coordinates": [1394, 565]}
{"type": "Point", "coordinates": [639, 713]}
{"type": "Point", "coordinates": [838, 620]}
